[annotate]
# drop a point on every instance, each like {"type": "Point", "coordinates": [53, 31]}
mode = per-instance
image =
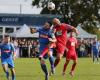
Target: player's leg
{"type": "Point", "coordinates": [11, 66]}
{"type": "Point", "coordinates": [44, 68]}
{"type": "Point", "coordinates": [97, 56]}
{"type": "Point", "coordinates": [65, 66]}
{"type": "Point", "coordinates": [42, 61]}
{"type": "Point", "coordinates": [13, 73]}
{"type": "Point", "coordinates": [5, 68]}
{"type": "Point", "coordinates": [93, 57]}
{"type": "Point", "coordinates": [59, 56]}
{"type": "Point", "coordinates": [51, 59]}
{"type": "Point", "coordinates": [60, 51]}
{"type": "Point", "coordinates": [73, 67]}
{"type": "Point", "coordinates": [46, 49]}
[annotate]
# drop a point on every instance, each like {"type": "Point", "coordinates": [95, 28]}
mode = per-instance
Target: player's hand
{"type": "Point", "coordinates": [54, 30]}
{"type": "Point", "coordinates": [14, 58]}
{"type": "Point", "coordinates": [66, 49]}
{"type": "Point", "coordinates": [50, 39]}
{"type": "Point", "coordinates": [77, 32]}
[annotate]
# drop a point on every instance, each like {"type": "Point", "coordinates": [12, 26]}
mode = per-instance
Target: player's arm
{"type": "Point", "coordinates": [14, 55]}
{"type": "Point", "coordinates": [13, 51]}
{"type": "Point", "coordinates": [75, 30]}
{"type": "Point", "coordinates": [76, 44]}
{"type": "Point", "coordinates": [53, 38]}
{"type": "Point", "coordinates": [71, 28]}
{"type": "Point", "coordinates": [97, 47]}
{"type": "Point", "coordinates": [67, 45]}
{"type": "Point", "coordinates": [52, 41]}
{"type": "Point", "coordinates": [33, 30]}
{"type": "Point", "coordinates": [66, 48]}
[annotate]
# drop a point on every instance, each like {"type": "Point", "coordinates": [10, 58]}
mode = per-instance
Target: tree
{"type": "Point", "coordinates": [75, 11]}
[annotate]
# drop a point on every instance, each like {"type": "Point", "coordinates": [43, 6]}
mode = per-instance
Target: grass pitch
{"type": "Point", "coordinates": [29, 69]}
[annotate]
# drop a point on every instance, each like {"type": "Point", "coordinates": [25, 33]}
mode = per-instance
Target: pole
{"type": "Point", "coordinates": [20, 8]}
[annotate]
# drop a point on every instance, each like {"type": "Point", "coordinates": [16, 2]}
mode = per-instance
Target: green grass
{"type": "Point", "coordinates": [29, 69]}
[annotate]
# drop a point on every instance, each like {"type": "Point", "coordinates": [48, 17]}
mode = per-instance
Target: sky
{"type": "Point", "coordinates": [18, 6]}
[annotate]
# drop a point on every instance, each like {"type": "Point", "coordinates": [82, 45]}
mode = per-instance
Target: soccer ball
{"type": "Point", "coordinates": [51, 6]}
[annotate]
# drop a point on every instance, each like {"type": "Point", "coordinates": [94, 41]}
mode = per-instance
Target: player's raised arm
{"type": "Point", "coordinates": [71, 28]}
{"type": "Point", "coordinates": [75, 30]}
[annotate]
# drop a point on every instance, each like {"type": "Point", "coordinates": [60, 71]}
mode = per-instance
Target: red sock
{"type": "Point", "coordinates": [73, 67]}
{"type": "Point", "coordinates": [45, 51]}
{"type": "Point", "coordinates": [56, 62]}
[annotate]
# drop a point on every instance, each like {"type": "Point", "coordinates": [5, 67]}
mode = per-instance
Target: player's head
{"type": "Point", "coordinates": [56, 22]}
{"type": "Point", "coordinates": [95, 39]}
{"type": "Point", "coordinates": [47, 25]}
{"type": "Point", "coordinates": [72, 34]}
{"type": "Point", "coordinates": [6, 38]}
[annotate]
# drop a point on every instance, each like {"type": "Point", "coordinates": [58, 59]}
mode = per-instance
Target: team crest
{"type": "Point", "coordinates": [59, 33]}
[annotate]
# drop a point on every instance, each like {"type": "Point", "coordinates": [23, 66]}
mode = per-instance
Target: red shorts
{"type": "Point", "coordinates": [60, 48]}
{"type": "Point", "coordinates": [71, 56]}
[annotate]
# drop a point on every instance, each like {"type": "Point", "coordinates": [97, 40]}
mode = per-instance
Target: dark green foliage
{"type": "Point", "coordinates": [75, 11]}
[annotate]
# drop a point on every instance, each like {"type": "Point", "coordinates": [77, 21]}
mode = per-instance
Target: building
{"type": "Point", "coordinates": [9, 23]}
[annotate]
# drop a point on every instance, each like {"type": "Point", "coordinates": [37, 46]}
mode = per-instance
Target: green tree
{"type": "Point", "coordinates": [75, 12]}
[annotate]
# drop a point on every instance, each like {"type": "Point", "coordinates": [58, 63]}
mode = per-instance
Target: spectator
{"type": "Point", "coordinates": [82, 49]}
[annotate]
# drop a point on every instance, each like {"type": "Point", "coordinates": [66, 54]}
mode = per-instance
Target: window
{"type": "Point", "coordinates": [1, 38]}
{"type": "Point", "coordinates": [9, 30]}
{"type": "Point", "coordinates": [17, 28]}
{"type": "Point", "coordinates": [1, 29]}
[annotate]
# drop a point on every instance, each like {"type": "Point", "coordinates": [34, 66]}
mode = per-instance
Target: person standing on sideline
{"type": "Point", "coordinates": [8, 56]}
{"type": "Point", "coordinates": [95, 50]}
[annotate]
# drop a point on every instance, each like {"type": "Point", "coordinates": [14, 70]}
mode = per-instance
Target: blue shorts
{"type": "Point", "coordinates": [95, 53]}
{"type": "Point", "coordinates": [8, 61]}
{"type": "Point", "coordinates": [42, 47]}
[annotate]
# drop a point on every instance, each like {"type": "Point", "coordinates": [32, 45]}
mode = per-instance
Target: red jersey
{"type": "Point", "coordinates": [61, 33]}
{"type": "Point", "coordinates": [71, 45]}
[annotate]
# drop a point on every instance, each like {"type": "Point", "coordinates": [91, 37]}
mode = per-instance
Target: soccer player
{"type": "Point", "coordinates": [71, 53]}
{"type": "Point", "coordinates": [61, 36]}
{"type": "Point", "coordinates": [46, 37]}
{"type": "Point", "coordinates": [8, 56]}
{"type": "Point", "coordinates": [95, 50]}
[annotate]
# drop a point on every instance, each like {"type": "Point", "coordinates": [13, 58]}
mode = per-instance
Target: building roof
{"type": "Point", "coordinates": [29, 19]}
{"type": "Point", "coordinates": [84, 34]}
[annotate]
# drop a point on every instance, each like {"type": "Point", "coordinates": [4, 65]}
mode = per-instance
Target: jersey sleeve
{"type": "Point", "coordinates": [68, 27]}
{"type": "Point", "coordinates": [38, 30]}
{"type": "Point", "coordinates": [12, 47]}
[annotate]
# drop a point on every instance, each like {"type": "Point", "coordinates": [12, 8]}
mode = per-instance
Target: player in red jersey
{"type": "Point", "coordinates": [61, 36]}
{"type": "Point", "coordinates": [71, 53]}
{"type": "Point", "coordinates": [60, 30]}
